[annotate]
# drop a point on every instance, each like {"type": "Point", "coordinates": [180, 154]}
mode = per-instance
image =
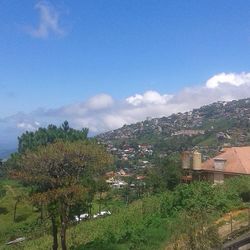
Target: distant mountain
{"type": "Point", "coordinates": [5, 153]}
{"type": "Point", "coordinates": [220, 123]}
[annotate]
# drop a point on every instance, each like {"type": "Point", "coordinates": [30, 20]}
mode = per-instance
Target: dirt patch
{"type": "Point", "coordinates": [227, 224]}
{"type": "Point", "coordinates": [233, 214]}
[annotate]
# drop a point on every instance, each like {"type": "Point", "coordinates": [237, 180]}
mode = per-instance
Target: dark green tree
{"type": "Point", "coordinates": [165, 175]}
{"type": "Point", "coordinates": [101, 188]}
{"type": "Point", "coordinates": [44, 136]}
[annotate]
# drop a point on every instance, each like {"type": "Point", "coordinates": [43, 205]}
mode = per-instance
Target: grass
{"type": "Point", "coordinates": [98, 234]}
{"type": "Point", "coordinates": [145, 224]}
{"type": "Point", "coordinates": [125, 229]}
{"type": "Point", "coordinates": [80, 238]}
{"type": "Point", "coordinates": [27, 223]}
{"type": "Point", "coordinates": [25, 215]}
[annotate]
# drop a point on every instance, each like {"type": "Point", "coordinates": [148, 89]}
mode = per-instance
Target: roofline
{"type": "Point", "coordinates": [216, 171]}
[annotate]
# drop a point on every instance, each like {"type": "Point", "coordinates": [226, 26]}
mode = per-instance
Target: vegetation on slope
{"type": "Point", "coordinates": [154, 221]}
{"type": "Point", "coordinates": [25, 222]}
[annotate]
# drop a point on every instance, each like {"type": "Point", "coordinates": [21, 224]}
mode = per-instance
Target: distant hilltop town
{"type": "Point", "coordinates": [207, 129]}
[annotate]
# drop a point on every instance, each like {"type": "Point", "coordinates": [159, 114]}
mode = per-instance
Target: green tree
{"type": "Point", "coordinates": [241, 185]}
{"type": "Point", "coordinates": [171, 173]}
{"type": "Point", "coordinates": [44, 136]}
{"type": "Point", "coordinates": [101, 188]}
{"type": "Point", "coordinates": [165, 175]}
{"type": "Point", "coordinates": [55, 171]}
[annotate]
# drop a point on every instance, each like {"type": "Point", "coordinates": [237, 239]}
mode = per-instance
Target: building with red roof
{"type": "Point", "coordinates": [229, 162]}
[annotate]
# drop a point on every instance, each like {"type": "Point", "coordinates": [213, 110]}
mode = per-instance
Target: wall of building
{"type": "Point", "coordinates": [218, 178]}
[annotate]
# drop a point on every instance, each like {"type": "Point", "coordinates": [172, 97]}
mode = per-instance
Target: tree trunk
{"type": "Point", "coordinates": [63, 234]}
{"type": "Point", "coordinates": [90, 210]}
{"type": "Point", "coordinates": [54, 233]}
{"type": "Point", "coordinates": [63, 217]}
{"type": "Point", "coordinates": [42, 212]}
{"type": "Point", "coordinates": [100, 202]}
{"type": "Point", "coordinates": [15, 208]}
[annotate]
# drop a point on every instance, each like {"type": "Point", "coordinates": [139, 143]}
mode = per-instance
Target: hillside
{"type": "Point", "coordinates": [208, 127]}
{"type": "Point", "coordinates": [152, 222]}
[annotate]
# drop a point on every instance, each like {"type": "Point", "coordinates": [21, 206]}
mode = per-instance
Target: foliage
{"type": "Point", "coordinates": [10, 164]}
{"type": "Point", "coordinates": [202, 234]}
{"type": "Point", "coordinates": [128, 228]}
{"type": "Point", "coordinates": [26, 224]}
{"type": "Point", "coordinates": [55, 172]}
{"type": "Point", "coordinates": [155, 220]}
{"type": "Point", "coordinates": [59, 163]}
{"type": "Point", "coordinates": [165, 175]}
{"type": "Point", "coordinates": [44, 136]}
{"type": "Point", "coordinates": [199, 196]}
{"type": "Point", "coordinates": [241, 185]}
{"type": "Point", "coordinates": [82, 205]}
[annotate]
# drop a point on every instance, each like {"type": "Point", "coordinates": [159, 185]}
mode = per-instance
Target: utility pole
{"type": "Point", "coordinates": [248, 216]}
{"type": "Point", "coordinates": [231, 222]}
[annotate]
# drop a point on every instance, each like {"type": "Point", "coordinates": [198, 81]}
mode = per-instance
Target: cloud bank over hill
{"type": "Point", "coordinates": [102, 112]}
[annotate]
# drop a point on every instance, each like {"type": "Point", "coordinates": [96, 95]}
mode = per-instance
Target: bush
{"type": "Point", "coordinates": [154, 220]}
{"type": "Point", "coordinates": [199, 196]}
{"type": "Point", "coordinates": [241, 185]}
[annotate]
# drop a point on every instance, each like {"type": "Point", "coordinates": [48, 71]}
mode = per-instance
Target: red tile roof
{"type": "Point", "coordinates": [237, 160]}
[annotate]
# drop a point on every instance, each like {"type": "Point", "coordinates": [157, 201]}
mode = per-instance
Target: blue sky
{"type": "Point", "coordinates": [88, 61]}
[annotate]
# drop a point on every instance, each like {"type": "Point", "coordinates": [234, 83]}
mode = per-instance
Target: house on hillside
{"type": "Point", "coordinates": [116, 183]}
{"type": "Point", "coordinates": [229, 162]}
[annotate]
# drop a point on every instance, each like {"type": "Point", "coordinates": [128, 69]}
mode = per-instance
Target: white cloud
{"type": "Point", "coordinates": [37, 123]}
{"type": "Point", "coordinates": [99, 102]}
{"type": "Point", "coordinates": [149, 97]}
{"type": "Point", "coordinates": [95, 104]}
{"type": "Point", "coordinates": [102, 113]}
{"type": "Point", "coordinates": [28, 126]}
{"type": "Point", "coordinates": [231, 79]}
{"type": "Point", "coordinates": [135, 100]}
{"type": "Point", "coordinates": [48, 21]}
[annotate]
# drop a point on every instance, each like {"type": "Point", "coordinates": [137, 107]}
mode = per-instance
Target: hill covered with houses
{"type": "Point", "coordinates": [207, 128]}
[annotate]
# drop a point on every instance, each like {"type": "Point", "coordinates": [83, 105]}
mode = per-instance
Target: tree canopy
{"type": "Point", "coordinates": [56, 171]}
{"type": "Point", "coordinates": [44, 136]}
{"type": "Point", "coordinates": [165, 175]}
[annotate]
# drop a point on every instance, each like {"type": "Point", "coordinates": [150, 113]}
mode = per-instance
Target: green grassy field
{"type": "Point", "coordinates": [27, 222]}
{"type": "Point", "coordinates": [25, 215]}
{"type": "Point", "coordinates": [126, 229]}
